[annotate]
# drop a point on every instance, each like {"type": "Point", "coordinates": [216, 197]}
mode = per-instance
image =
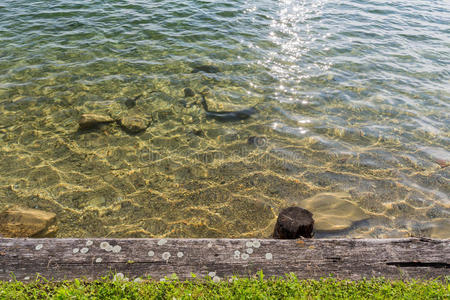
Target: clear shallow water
{"type": "Point", "coordinates": [353, 100]}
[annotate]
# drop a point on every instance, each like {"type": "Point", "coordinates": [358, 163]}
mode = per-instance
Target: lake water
{"type": "Point", "coordinates": [353, 115]}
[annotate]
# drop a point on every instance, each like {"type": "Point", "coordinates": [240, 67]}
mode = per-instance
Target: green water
{"type": "Point", "coordinates": [353, 116]}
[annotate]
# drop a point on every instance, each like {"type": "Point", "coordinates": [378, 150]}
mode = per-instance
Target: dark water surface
{"type": "Point", "coordinates": [352, 123]}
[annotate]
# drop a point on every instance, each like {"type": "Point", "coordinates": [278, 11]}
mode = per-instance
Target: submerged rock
{"type": "Point", "coordinates": [133, 124]}
{"type": "Point", "coordinates": [440, 228]}
{"type": "Point", "coordinates": [183, 103]}
{"type": "Point", "coordinates": [206, 69]}
{"type": "Point", "coordinates": [131, 102]}
{"type": "Point", "coordinates": [26, 222]}
{"type": "Point", "coordinates": [198, 132]}
{"type": "Point", "coordinates": [258, 141]}
{"type": "Point", "coordinates": [333, 211]}
{"type": "Point", "coordinates": [88, 121]}
{"type": "Point", "coordinates": [188, 92]}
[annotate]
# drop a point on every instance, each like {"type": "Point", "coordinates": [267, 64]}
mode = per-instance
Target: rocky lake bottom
{"type": "Point", "coordinates": [102, 120]}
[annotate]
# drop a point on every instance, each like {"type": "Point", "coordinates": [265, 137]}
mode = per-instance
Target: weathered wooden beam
{"type": "Point", "coordinates": [353, 259]}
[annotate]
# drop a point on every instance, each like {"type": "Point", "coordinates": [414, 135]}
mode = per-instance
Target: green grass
{"type": "Point", "coordinates": [254, 288]}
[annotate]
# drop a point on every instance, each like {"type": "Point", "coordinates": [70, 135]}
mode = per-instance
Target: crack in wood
{"type": "Point", "coordinates": [334, 259]}
{"type": "Point", "coordinates": [416, 264]}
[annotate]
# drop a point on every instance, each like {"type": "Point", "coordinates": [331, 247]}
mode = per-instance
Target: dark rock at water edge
{"type": "Point", "coordinates": [294, 222]}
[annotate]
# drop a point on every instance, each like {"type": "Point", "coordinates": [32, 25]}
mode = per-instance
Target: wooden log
{"type": "Point", "coordinates": [294, 222]}
{"type": "Point", "coordinates": [353, 259]}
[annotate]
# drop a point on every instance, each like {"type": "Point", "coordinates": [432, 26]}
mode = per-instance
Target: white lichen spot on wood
{"type": "Point", "coordinates": [180, 254]}
{"type": "Point", "coordinates": [216, 279]}
{"type": "Point", "coordinates": [84, 250]}
{"type": "Point", "coordinates": [27, 278]}
{"type": "Point", "coordinates": [237, 254]}
{"type": "Point", "coordinates": [109, 248]}
{"type": "Point", "coordinates": [244, 256]}
{"type": "Point", "coordinates": [256, 244]}
{"type": "Point", "coordinates": [249, 250]}
{"type": "Point", "coordinates": [166, 255]}
{"type": "Point", "coordinates": [39, 247]}
{"type": "Point", "coordinates": [103, 245]}
{"type": "Point", "coordinates": [116, 249]}
{"type": "Point", "coordinates": [212, 274]}
{"type": "Point", "coordinates": [98, 260]}
{"type": "Point", "coordinates": [269, 256]}
{"type": "Point", "coordinates": [151, 253]}
{"type": "Point", "coordinates": [89, 243]}
{"type": "Point", "coordinates": [209, 245]}
{"type": "Point", "coordinates": [75, 250]}
{"type": "Point", "coordinates": [249, 244]}
{"type": "Point", "coordinates": [162, 242]}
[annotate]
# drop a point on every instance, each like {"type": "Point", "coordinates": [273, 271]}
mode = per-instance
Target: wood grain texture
{"type": "Point", "coordinates": [353, 259]}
